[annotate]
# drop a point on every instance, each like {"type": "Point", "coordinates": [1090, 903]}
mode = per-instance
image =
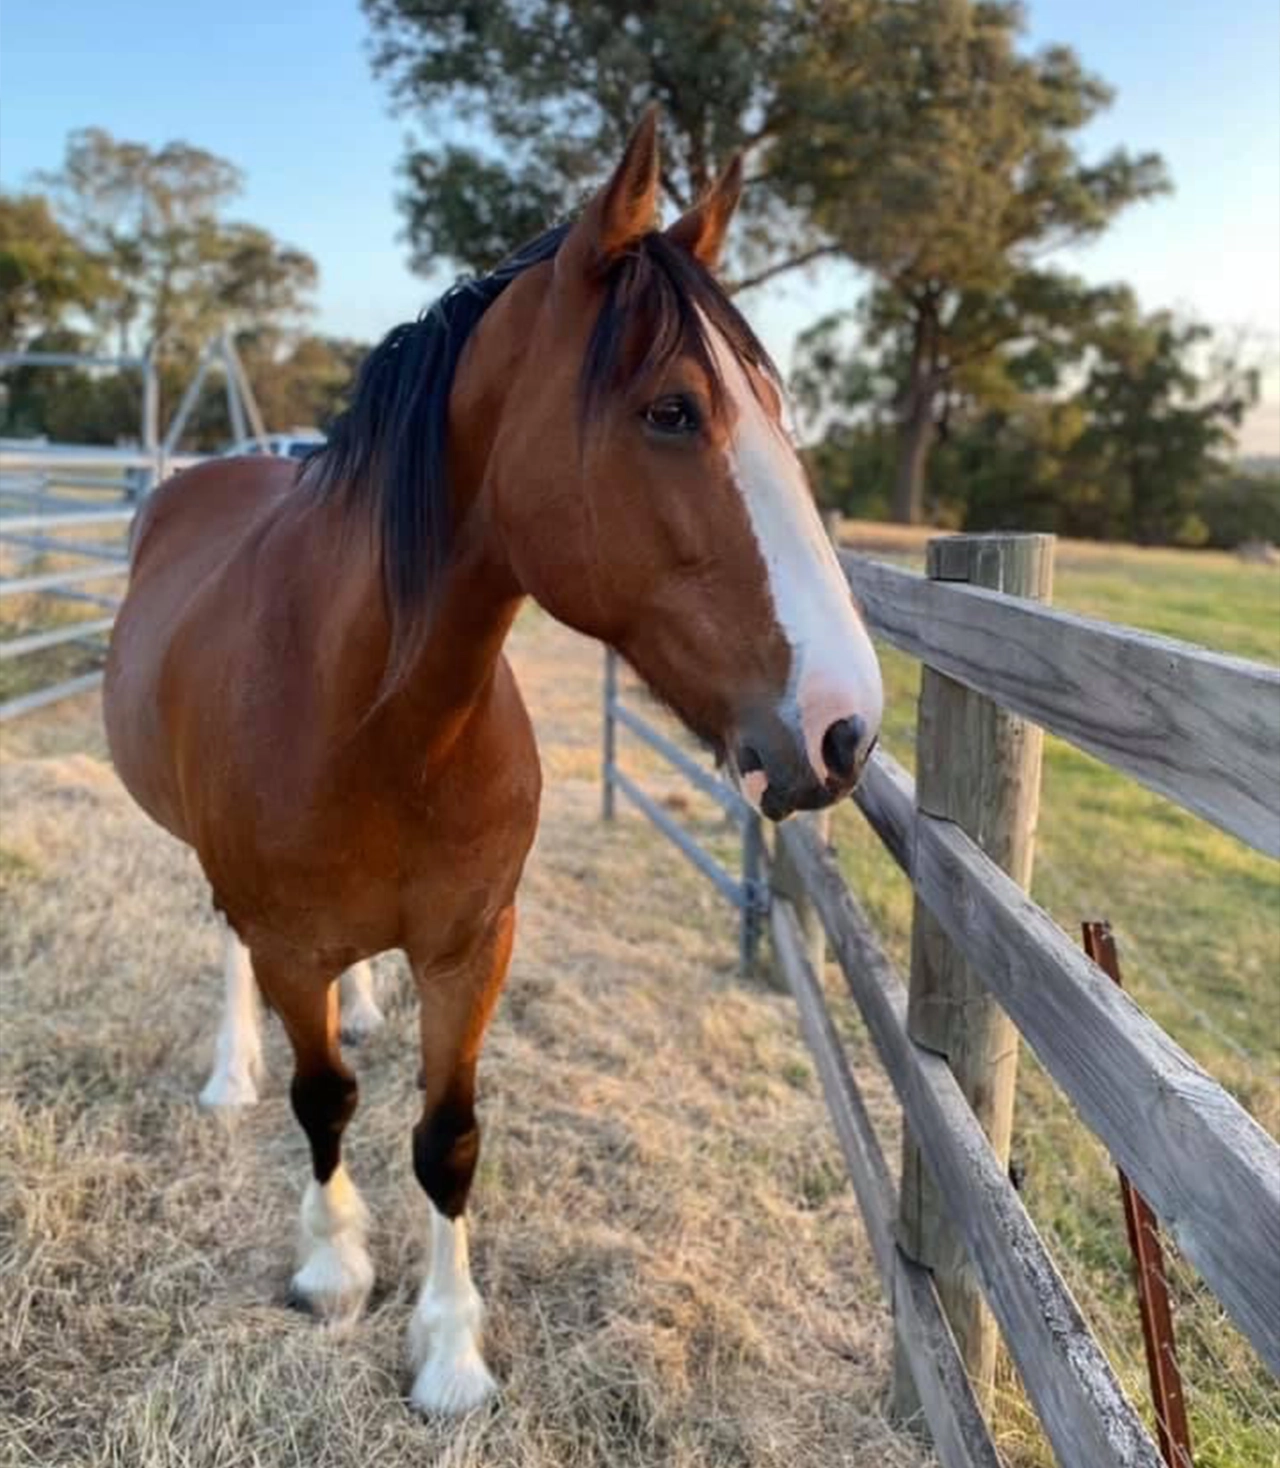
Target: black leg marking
{"type": "Point", "coordinates": [446, 1147]}
{"type": "Point", "coordinates": [324, 1103]}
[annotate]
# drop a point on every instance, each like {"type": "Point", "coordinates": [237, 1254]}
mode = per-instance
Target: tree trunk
{"type": "Point", "coordinates": [915, 439]}
{"type": "Point", "coordinates": [915, 417]}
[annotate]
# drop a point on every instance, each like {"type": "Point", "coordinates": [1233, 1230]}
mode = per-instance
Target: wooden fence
{"type": "Point", "coordinates": [1203, 730]}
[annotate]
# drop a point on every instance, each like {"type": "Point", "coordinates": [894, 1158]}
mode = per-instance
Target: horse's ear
{"type": "Point", "coordinates": [625, 208]}
{"type": "Point", "coordinates": [702, 230]}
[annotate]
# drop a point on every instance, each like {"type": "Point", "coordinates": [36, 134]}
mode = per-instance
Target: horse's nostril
{"type": "Point", "coordinates": [749, 759]}
{"type": "Point", "coordinates": [841, 747]}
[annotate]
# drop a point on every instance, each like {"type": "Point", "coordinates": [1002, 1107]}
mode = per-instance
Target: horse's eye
{"type": "Point", "coordinates": [673, 415]}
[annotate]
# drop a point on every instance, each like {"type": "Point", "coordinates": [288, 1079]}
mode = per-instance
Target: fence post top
{"type": "Point", "coordinates": [1021, 565]}
{"type": "Point", "coordinates": [993, 537]}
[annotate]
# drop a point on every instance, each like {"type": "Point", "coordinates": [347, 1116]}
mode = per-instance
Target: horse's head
{"type": "Point", "coordinates": [649, 495]}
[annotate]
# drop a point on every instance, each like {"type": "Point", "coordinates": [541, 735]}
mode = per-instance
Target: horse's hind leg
{"type": "Point", "coordinates": [335, 1273]}
{"type": "Point", "coordinates": [444, 1333]}
{"type": "Point", "coordinates": [360, 1013]}
{"type": "Point", "coordinates": [237, 1064]}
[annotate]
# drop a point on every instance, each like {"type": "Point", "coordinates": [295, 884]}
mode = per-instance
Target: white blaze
{"type": "Point", "coordinates": [834, 673]}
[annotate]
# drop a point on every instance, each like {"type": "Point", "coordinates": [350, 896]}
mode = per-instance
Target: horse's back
{"type": "Point", "coordinates": [184, 536]}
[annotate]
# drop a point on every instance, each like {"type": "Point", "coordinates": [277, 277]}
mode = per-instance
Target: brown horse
{"type": "Point", "coordinates": [307, 683]}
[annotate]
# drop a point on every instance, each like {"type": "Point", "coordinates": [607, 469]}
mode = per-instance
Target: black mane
{"type": "Point", "coordinates": [386, 452]}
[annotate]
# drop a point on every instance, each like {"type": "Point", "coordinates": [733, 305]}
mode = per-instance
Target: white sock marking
{"type": "Point", "coordinates": [237, 1064]}
{"type": "Point", "coordinates": [444, 1333]}
{"type": "Point", "coordinates": [335, 1273]}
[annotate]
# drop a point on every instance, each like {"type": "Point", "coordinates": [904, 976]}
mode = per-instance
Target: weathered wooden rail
{"type": "Point", "coordinates": [1198, 727]}
{"type": "Point", "coordinates": [1201, 729]}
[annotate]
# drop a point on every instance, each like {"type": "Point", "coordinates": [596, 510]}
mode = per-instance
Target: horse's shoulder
{"type": "Point", "coordinates": [206, 505]}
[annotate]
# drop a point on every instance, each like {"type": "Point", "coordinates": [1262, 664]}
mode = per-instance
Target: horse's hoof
{"type": "Point", "coordinates": [334, 1283]}
{"type": "Point", "coordinates": [451, 1384]}
{"type": "Point", "coordinates": [226, 1091]}
{"type": "Point", "coordinates": [358, 1023]}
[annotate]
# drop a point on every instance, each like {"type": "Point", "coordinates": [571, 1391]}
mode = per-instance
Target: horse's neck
{"type": "Point", "coordinates": [449, 679]}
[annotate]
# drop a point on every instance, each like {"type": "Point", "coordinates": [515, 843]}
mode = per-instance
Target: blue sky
{"type": "Point", "coordinates": [285, 91]}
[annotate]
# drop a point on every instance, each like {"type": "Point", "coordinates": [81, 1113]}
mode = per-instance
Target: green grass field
{"type": "Point", "coordinates": [1198, 921]}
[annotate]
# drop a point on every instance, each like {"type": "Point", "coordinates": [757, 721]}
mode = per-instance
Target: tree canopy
{"type": "Point", "coordinates": [917, 139]}
{"type": "Point", "coordinates": [517, 102]}
{"type": "Point", "coordinates": [130, 247]}
{"type": "Point", "coordinates": [950, 181]}
{"type": "Point", "coordinates": [920, 140]}
{"type": "Point", "coordinates": [1116, 428]}
{"type": "Point", "coordinates": [153, 220]}
{"type": "Point", "coordinates": [44, 270]}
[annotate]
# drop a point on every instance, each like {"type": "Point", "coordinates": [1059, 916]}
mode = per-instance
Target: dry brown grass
{"type": "Point", "coordinates": [675, 1270]}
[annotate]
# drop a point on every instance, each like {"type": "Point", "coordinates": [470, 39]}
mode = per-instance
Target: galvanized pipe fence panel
{"type": "Point", "coordinates": [57, 519]}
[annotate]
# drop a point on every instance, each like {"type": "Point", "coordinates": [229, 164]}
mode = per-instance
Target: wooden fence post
{"type": "Point", "coordinates": [979, 766]}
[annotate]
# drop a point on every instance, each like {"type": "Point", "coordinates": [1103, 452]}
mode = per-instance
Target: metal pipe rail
{"type": "Point", "coordinates": [734, 891]}
{"type": "Point", "coordinates": [29, 702]}
{"type": "Point", "coordinates": [77, 518]}
{"type": "Point", "coordinates": [102, 552]}
{"type": "Point", "coordinates": [52, 580]}
{"type": "Point", "coordinates": [749, 893]}
{"type": "Point", "coordinates": [18, 647]}
{"type": "Point", "coordinates": [725, 796]}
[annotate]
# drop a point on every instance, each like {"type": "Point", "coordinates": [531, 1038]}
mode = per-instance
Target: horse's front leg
{"type": "Point", "coordinates": [335, 1273]}
{"type": "Point", "coordinates": [444, 1334]}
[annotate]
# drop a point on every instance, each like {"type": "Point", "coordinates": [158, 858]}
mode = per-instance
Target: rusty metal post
{"type": "Point", "coordinates": [1148, 1264]}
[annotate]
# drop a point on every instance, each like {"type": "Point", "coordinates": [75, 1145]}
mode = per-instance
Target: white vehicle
{"type": "Point", "coordinates": [296, 444]}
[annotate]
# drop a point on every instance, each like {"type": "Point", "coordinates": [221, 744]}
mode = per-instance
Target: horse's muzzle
{"type": "Point", "coordinates": [777, 775]}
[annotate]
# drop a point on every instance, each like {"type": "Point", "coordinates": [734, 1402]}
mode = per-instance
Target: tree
{"type": "Point", "coordinates": [179, 272]}
{"type": "Point", "coordinates": [858, 366]}
{"type": "Point", "coordinates": [1159, 419]}
{"type": "Point", "coordinates": [550, 89]}
{"type": "Point", "coordinates": [44, 272]}
{"type": "Point", "coordinates": [133, 241]}
{"type": "Point", "coordinates": [948, 181]}
{"type": "Point", "coordinates": [1117, 430]}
